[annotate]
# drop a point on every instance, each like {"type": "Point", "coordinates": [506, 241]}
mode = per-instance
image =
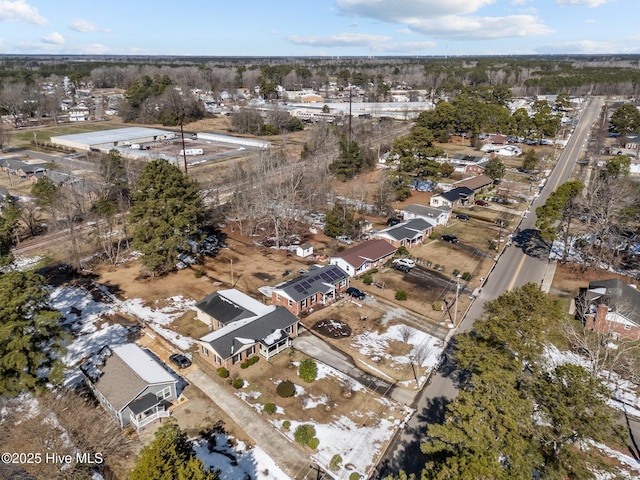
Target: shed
{"type": "Point", "coordinates": [304, 250]}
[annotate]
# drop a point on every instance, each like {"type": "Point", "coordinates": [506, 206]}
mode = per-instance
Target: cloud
{"type": "Point", "coordinates": [339, 40]}
{"type": "Point", "coordinates": [20, 11]}
{"type": "Point", "coordinates": [83, 26]}
{"type": "Point", "coordinates": [398, 11]}
{"type": "Point", "coordinates": [480, 28]}
{"type": "Point", "coordinates": [55, 39]}
{"type": "Point", "coordinates": [588, 3]}
{"type": "Point", "coordinates": [580, 47]}
{"type": "Point", "coordinates": [404, 48]}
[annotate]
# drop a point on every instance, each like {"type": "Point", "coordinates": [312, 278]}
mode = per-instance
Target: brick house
{"type": "Point", "coordinates": [610, 307]}
{"type": "Point", "coordinates": [242, 327]}
{"type": "Point", "coordinates": [370, 254]}
{"type": "Point", "coordinates": [407, 234]}
{"type": "Point", "coordinates": [318, 286]}
{"type": "Point", "coordinates": [478, 183]}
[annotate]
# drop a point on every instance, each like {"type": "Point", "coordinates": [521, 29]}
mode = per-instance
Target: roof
{"type": "Point", "coordinates": [424, 211]}
{"type": "Point", "coordinates": [316, 280]}
{"type": "Point", "coordinates": [463, 158]}
{"type": "Point", "coordinates": [407, 230]}
{"type": "Point", "coordinates": [266, 328]}
{"type": "Point", "coordinates": [475, 183]}
{"type": "Point", "coordinates": [112, 136]}
{"type": "Point", "coordinates": [228, 306]}
{"type": "Point", "coordinates": [621, 297]}
{"type": "Point", "coordinates": [456, 194]}
{"type": "Point", "coordinates": [370, 250]}
{"type": "Point", "coordinates": [123, 372]}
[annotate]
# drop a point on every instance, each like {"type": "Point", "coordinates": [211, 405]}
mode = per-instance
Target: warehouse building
{"type": "Point", "coordinates": [105, 140]}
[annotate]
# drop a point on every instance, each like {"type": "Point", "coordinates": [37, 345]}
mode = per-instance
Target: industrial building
{"type": "Point", "coordinates": [105, 140]}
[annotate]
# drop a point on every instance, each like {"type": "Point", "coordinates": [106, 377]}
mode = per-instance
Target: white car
{"type": "Point", "coordinates": [405, 261]}
{"type": "Point", "coordinates": [345, 240]}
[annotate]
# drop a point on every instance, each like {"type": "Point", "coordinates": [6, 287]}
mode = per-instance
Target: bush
{"type": "Point", "coordinates": [286, 425]}
{"type": "Point", "coordinates": [253, 360]}
{"type": "Point", "coordinates": [308, 370]}
{"type": "Point", "coordinates": [455, 272]}
{"type": "Point", "coordinates": [198, 273]}
{"type": "Point", "coordinates": [238, 383]}
{"type": "Point", "coordinates": [304, 434]}
{"type": "Point", "coordinates": [223, 372]}
{"type": "Point", "coordinates": [402, 252]}
{"type": "Point", "coordinates": [286, 389]}
{"type": "Point", "coordinates": [401, 295]}
{"type": "Point", "coordinates": [244, 364]}
{"type": "Point", "coordinates": [335, 462]}
{"type": "Point", "coordinates": [437, 306]}
{"type": "Point", "coordinates": [354, 476]}
{"type": "Point", "coordinates": [367, 279]}
{"type": "Point", "coordinates": [466, 276]}
{"type": "Point", "coordinates": [270, 408]}
{"type": "Point", "coordinates": [313, 443]}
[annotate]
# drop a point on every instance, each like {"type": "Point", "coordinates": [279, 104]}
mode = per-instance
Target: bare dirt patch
{"type": "Point", "coordinates": [570, 277]}
{"type": "Point", "coordinates": [332, 328]}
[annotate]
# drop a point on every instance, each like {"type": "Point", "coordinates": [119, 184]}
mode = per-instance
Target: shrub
{"type": "Point", "coordinates": [286, 389]}
{"type": "Point", "coordinates": [253, 360]}
{"type": "Point", "coordinates": [223, 372]}
{"type": "Point", "coordinates": [286, 425]}
{"type": "Point", "coordinates": [198, 273]}
{"type": "Point", "coordinates": [335, 462]}
{"type": "Point", "coordinates": [313, 443]}
{"type": "Point", "coordinates": [367, 279]}
{"type": "Point", "coordinates": [354, 476]}
{"type": "Point", "coordinates": [437, 306]}
{"type": "Point", "coordinates": [238, 383]}
{"type": "Point", "coordinates": [308, 370]}
{"type": "Point", "coordinates": [244, 364]}
{"type": "Point", "coordinates": [402, 251]}
{"type": "Point", "coordinates": [304, 433]}
{"type": "Point", "coordinates": [455, 272]}
{"type": "Point", "coordinates": [401, 295]}
{"type": "Point", "coordinates": [270, 408]}
{"type": "Point", "coordinates": [466, 276]}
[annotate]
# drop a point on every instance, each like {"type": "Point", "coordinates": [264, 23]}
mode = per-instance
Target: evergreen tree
{"type": "Point", "coordinates": [626, 119]}
{"type": "Point", "coordinates": [8, 226]}
{"type": "Point", "coordinates": [30, 336]}
{"type": "Point", "coordinates": [340, 220]}
{"type": "Point", "coordinates": [555, 215]}
{"type": "Point", "coordinates": [495, 169]}
{"type": "Point", "coordinates": [165, 214]}
{"type": "Point", "coordinates": [170, 456]}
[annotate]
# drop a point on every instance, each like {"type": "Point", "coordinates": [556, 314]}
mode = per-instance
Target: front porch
{"type": "Point", "coordinates": [146, 410]}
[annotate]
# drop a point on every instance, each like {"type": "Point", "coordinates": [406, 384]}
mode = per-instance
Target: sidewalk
{"type": "Point", "coordinates": [287, 456]}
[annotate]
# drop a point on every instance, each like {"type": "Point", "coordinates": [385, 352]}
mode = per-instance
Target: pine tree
{"type": "Point", "coordinates": [165, 214]}
{"type": "Point", "coordinates": [30, 335]}
{"type": "Point", "coordinates": [170, 456]}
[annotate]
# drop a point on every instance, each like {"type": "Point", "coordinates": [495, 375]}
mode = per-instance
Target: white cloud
{"type": "Point", "coordinates": [398, 11]}
{"type": "Point", "coordinates": [83, 26]}
{"type": "Point", "coordinates": [340, 40]}
{"type": "Point", "coordinates": [55, 38]}
{"type": "Point", "coordinates": [480, 27]}
{"type": "Point", "coordinates": [404, 48]}
{"type": "Point", "coordinates": [580, 47]}
{"type": "Point", "coordinates": [20, 11]}
{"type": "Point", "coordinates": [588, 3]}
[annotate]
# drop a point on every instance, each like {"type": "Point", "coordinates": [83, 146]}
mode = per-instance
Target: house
{"type": "Point", "coordinates": [17, 167]}
{"type": "Point", "coordinates": [130, 384]}
{"type": "Point", "coordinates": [305, 250]}
{"type": "Point", "coordinates": [79, 113]}
{"type": "Point", "coordinates": [473, 164]}
{"type": "Point", "coordinates": [456, 196]}
{"type": "Point", "coordinates": [363, 257]}
{"type": "Point", "coordinates": [243, 327]}
{"type": "Point", "coordinates": [479, 183]}
{"type": "Point", "coordinates": [407, 234]}
{"type": "Point", "coordinates": [509, 151]}
{"type": "Point", "coordinates": [318, 286]}
{"type": "Point", "coordinates": [436, 216]}
{"type": "Point", "coordinates": [610, 307]}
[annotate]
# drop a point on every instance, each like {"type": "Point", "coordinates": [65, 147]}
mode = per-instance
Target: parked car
{"type": "Point", "coordinates": [355, 293]}
{"type": "Point", "coordinates": [449, 238]}
{"type": "Point", "coordinates": [180, 360]}
{"type": "Point", "coordinates": [462, 216]}
{"type": "Point", "coordinates": [345, 240]}
{"type": "Point", "coordinates": [481, 203]}
{"type": "Point", "coordinates": [407, 262]}
{"type": "Point", "coordinates": [401, 267]}
{"type": "Point", "coordinates": [393, 221]}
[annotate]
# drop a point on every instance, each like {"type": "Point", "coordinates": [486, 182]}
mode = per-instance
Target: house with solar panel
{"type": "Point", "coordinates": [130, 384]}
{"type": "Point", "coordinates": [317, 287]}
{"type": "Point", "coordinates": [242, 327]}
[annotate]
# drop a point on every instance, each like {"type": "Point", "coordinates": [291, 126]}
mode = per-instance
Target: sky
{"type": "Point", "coordinates": [319, 27]}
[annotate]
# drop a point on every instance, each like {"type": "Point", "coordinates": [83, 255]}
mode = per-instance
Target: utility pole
{"type": "Point", "coordinates": [231, 272]}
{"type": "Point", "coordinates": [184, 151]}
{"type": "Point", "coordinates": [455, 308]}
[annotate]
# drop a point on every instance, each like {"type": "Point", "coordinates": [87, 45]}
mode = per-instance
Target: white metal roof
{"type": "Point", "coordinates": [142, 363]}
{"type": "Point", "coordinates": [110, 136]}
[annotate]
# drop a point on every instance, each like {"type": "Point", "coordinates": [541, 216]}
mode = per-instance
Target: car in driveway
{"type": "Point", "coordinates": [345, 240]}
{"type": "Point", "coordinates": [393, 221]}
{"type": "Point", "coordinates": [481, 203]}
{"type": "Point", "coordinates": [179, 360]}
{"type": "Point", "coordinates": [355, 293]}
{"type": "Point", "coordinates": [462, 216]}
{"type": "Point", "coordinates": [401, 267]}
{"type": "Point", "coordinates": [407, 262]}
{"type": "Point", "coordinates": [449, 238]}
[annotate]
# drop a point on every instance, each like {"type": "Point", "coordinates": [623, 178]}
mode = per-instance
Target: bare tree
{"type": "Point", "coordinates": [405, 332]}
{"type": "Point", "coordinates": [5, 136]}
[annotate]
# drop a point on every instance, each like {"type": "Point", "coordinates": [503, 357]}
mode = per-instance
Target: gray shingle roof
{"type": "Point", "coordinates": [620, 297]}
{"type": "Point", "coordinates": [231, 339]}
{"type": "Point", "coordinates": [425, 211]}
{"type": "Point", "coordinates": [222, 309]}
{"type": "Point", "coordinates": [316, 280]}
{"type": "Point", "coordinates": [456, 194]}
{"type": "Point", "coordinates": [407, 230]}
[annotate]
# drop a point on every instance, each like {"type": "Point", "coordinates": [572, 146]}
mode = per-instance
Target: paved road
{"type": "Point", "coordinates": [524, 261]}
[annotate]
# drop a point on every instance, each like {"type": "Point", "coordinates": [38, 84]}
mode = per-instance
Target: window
{"type": "Point", "coordinates": [235, 359]}
{"type": "Point", "coordinates": [627, 327]}
{"type": "Point", "coordinates": [303, 304]}
{"type": "Point", "coordinates": [218, 360]}
{"type": "Point", "coordinates": [164, 393]}
{"type": "Point", "coordinates": [343, 283]}
{"type": "Point", "coordinates": [290, 303]}
{"type": "Point", "coordinates": [251, 350]}
{"type": "Point", "coordinates": [205, 351]}
{"type": "Point", "coordinates": [277, 297]}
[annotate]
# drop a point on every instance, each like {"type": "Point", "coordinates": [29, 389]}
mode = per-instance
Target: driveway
{"type": "Point", "coordinates": [317, 348]}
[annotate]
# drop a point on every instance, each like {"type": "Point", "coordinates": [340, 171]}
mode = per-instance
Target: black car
{"type": "Point", "coordinates": [462, 216]}
{"type": "Point", "coordinates": [393, 221]}
{"type": "Point", "coordinates": [355, 293]}
{"type": "Point", "coordinates": [180, 360]}
{"type": "Point", "coordinates": [450, 238]}
{"type": "Point", "coordinates": [402, 268]}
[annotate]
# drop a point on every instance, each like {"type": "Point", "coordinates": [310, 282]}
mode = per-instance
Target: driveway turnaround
{"type": "Point", "coordinates": [286, 455]}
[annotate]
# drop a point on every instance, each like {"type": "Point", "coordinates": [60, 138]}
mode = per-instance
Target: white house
{"type": "Point", "coordinates": [436, 216]}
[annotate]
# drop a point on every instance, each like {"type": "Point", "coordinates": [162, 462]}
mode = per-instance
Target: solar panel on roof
{"type": "Point", "coordinates": [298, 288]}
